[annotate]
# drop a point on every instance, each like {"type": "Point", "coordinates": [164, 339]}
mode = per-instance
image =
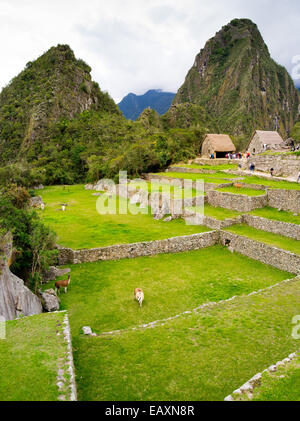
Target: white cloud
{"type": "Point", "coordinates": [136, 45]}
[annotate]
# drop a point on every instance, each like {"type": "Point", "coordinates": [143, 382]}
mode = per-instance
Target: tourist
{"type": "Point", "coordinates": [298, 179]}
{"type": "Point", "coordinates": [252, 167]}
{"type": "Point", "coordinates": [272, 172]}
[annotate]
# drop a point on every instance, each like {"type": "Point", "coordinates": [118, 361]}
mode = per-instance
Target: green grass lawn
{"type": "Point", "coordinates": [217, 177]}
{"type": "Point", "coordinates": [202, 356]}
{"type": "Point", "coordinates": [29, 358]}
{"type": "Point", "coordinates": [274, 184]}
{"type": "Point", "coordinates": [242, 190]}
{"type": "Point", "coordinates": [266, 237]}
{"type": "Point", "coordinates": [281, 385]}
{"type": "Point", "coordinates": [276, 215]}
{"type": "Point", "coordinates": [80, 226]}
{"type": "Point", "coordinates": [216, 212]}
{"type": "Point", "coordinates": [207, 167]}
{"type": "Point", "coordinates": [101, 296]}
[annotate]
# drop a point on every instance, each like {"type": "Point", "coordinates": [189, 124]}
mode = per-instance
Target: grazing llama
{"type": "Point", "coordinates": [237, 185]}
{"type": "Point", "coordinates": [62, 284]}
{"type": "Point", "coordinates": [139, 296]}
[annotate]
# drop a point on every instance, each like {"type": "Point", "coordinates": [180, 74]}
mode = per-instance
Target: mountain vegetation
{"type": "Point", "coordinates": [241, 87]}
{"type": "Point", "coordinates": [132, 105]}
{"type": "Point", "coordinates": [58, 127]}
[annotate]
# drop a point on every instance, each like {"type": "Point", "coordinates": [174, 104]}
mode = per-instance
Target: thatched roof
{"type": "Point", "coordinates": [220, 142]}
{"type": "Point", "coordinates": [269, 137]}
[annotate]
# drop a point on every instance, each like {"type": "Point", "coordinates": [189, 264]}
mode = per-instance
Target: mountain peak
{"type": "Point", "coordinates": [133, 105]}
{"type": "Point", "coordinates": [239, 84]}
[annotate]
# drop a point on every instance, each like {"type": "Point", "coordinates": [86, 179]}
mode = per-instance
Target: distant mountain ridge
{"type": "Point", "coordinates": [133, 105]}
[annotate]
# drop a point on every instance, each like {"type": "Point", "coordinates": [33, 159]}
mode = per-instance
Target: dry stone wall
{"type": "Point", "coordinates": [284, 165]}
{"type": "Point", "coordinates": [288, 200]}
{"type": "Point", "coordinates": [276, 227]}
{"type": "Point", "coordinates": [147, 248]}
{"type": "Point", "coordinates": [237, 202]}
{"type": "Point", "coordinates": [270, 255]}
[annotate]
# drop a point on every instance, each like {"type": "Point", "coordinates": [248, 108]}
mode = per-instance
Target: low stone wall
{"type": "Point", "coordinates": [216, 224]}
{"type": "Point", "coordinates": [284, 165]}
{"type": "Point", "coordinates": [277, 227]}
{"type": "Point", "coordinates": [238, 202]}
{"type": "Point", "coordinates": [147, 248]}
{"type": "Point", "coordinates": [288, 200]}
{"type": "Point", "coordinates": [270, 255]}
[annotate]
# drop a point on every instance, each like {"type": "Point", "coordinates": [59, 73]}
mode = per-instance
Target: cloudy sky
{"type": "Point", "coordinates": [136, 45]}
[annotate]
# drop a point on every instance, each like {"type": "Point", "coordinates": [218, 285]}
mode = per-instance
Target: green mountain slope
{"type": "Point", "coordinates": [55, 85]}
{"type": "Point", "coordinates": [239, 84]}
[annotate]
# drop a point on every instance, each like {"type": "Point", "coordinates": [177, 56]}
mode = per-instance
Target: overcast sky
{"type": "Point", "coordinates": [136, 45]}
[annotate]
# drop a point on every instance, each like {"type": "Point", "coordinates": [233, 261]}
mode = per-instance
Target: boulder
{"type": "Point", "coordinates": [49, 300]}
{"type": "Point", "coordinates": [36, 202]}
{"type": "Point", "coordinates": [53, 272]}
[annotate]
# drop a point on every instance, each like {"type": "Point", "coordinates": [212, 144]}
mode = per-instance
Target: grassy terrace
{"type": "Point", "coordinates": [274, 184]}
{"type": "Point", "coordinates": [242, 190]}
{"type": "Point", "coordinates": [106, 367]}
{"type": "Point", "coordinates": [202, 356]}
{"type": "Point", "coordinates": [282, 385]}
{"type": "Point", "coordinates": [29, 358]}
{"type": "Point", "coordinates": [80, 226]}
{"type": "Point", "coordinates": [231, 166]}
{"type": "Point", "coordinates": [217, 177]}
{"type": "Point", "coordinates": [217, 213]}
{"type": "Point", "coordinates": [266, 237]}
{"type": "Point", "coordinates": [276, 215]}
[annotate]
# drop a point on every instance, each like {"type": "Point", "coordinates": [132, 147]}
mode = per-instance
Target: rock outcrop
{"type": "Point", "coordinates": [15, 298]}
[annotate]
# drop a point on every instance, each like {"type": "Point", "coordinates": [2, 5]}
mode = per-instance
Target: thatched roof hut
{"type": "Point", "coordinates": [264, 140]}
{"type": "Point", "coordinates": [217, 144]}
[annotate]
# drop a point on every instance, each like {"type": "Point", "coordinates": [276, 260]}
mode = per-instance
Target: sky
{"type": "Point", "coordinates": [136, 45]}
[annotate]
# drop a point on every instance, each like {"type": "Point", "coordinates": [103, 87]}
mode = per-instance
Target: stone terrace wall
{"type": "Point", "coordinates": [196, 219]}
{"type": "Point", "coordinates": [270, 255]}
{"type": "Point", "coordinates": [288, 200]}
{"type": "Point", "coordinates": [149, 248]}
{"type": "Point", "coordinates": [238, 202]}
{"type": "Point", "coordinates": [277, 227]}
{"type": "Point", "coordinates": [284, 165]}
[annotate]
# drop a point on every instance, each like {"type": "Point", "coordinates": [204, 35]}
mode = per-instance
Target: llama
{"type": "Point", "coordinates": [62, 284]}
{"type": "Point", "coordinates": [139, 296]}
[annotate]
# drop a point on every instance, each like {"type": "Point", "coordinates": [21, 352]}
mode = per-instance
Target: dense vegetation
{"type": "Point", "coordinates": [58, 127]}
{"type": "Point", "coordinates": [33, 241]}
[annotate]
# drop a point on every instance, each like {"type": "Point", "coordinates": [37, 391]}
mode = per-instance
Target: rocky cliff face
{"type": "Point", "coordinates": [239, 84]}
{"type": "Point", "coordinates": [15, 298]}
